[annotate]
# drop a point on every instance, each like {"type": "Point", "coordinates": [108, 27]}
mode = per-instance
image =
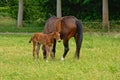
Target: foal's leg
{"type": "Point", "coordinates": [37, 50]}
{"type": "Point", "coordinates": [34, 49]}
{"type": "Point", "coordinates": [66, 48]}
{"type": "Point", "coordinates": [51, 53]}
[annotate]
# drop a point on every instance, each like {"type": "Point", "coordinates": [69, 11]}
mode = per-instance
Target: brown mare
{"type": "Point", "coordinates": [44, 39]}
{"type": "Point", "coordinates": [68, 26]}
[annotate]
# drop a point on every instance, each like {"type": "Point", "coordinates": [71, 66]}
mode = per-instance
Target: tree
{"type": "Point", "coordinates": [59, 13]}
{"type": "Point", "coordinates": [105, 14]}
{"type": "Point", "coordinates": [86, 10]}
{"type": "Point", "coordinates": [20, 14]}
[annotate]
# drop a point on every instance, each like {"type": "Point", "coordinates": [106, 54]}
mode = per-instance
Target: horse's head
{"type": "Point", "coordinates": [57, 36]}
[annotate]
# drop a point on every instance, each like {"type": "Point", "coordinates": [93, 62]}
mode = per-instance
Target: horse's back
{"type": "Point", "coordinates": [68, 27]}
{"type": "Point", "coordinates": [65, 25]}
{"type": "Point", "coordinates": [50, 24]}
{"type": "Point", "coordinates": [69, 21]}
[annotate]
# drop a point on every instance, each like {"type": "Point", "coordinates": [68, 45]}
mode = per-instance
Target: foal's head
{"type": "Point", "coordinates": [56, 36]}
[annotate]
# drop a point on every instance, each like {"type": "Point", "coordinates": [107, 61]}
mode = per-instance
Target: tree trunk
{"type": "Point", "coordinates": [20, 14]}
{"type": "Point", "coordinates": [59, 13]}
{"type": "Point", "coordinates": [105, 14]}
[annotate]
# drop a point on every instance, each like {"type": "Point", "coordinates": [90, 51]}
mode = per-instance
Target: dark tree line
{"type": "Point", "coordinates": [83, 9]}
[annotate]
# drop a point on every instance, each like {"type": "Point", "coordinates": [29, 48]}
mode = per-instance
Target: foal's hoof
{"type": "Point", "coordinates": [62, 59]}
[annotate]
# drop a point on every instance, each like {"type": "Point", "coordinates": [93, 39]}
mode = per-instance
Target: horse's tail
{"type": "Point", "coordinates": [79, 36]}
{"type": "Point", "coordinates": [79, 30]}
{"type": "Point", "coordinates": [30, 40]}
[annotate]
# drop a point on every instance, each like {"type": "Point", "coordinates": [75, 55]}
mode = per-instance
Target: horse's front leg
{"type": "Point", "coordinates": [66, 49]}
{"type": "Point", "coordinates": [54, 48]}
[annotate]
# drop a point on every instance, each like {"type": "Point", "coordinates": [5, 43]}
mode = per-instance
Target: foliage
{"type": "Point", "coordinates": [4, 11]}
{"type": "Point", "coordinates": [114, 9]}
{"type": "Point", "coordinates": [83, 9]}
{"type": "Point", "coordinates": [99, 59]}
{"type": "Point", "coordinates": [40, 10]}
{"type": "Point", "coordinates": [13, 5]}
{"type": "Point", "coordinates": [3, 3]}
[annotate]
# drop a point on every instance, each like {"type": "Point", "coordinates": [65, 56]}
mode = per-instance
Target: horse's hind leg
{"type": "Point", "coordinates": [66, 48]}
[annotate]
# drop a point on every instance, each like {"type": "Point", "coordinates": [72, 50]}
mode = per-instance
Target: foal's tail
{"type": "Point", "coordinates": [30, 40]}
{"type": "Point", "coordinates": [79, 37]}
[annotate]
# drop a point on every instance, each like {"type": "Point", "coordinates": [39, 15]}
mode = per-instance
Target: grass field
{"type": "Point", "coordinates": [100, 59]}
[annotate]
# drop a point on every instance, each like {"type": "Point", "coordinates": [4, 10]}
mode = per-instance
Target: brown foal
{"type": "Point", "coordinates": [46, 40]}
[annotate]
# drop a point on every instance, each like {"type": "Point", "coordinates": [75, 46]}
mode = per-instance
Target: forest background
{"type": "Point", "coordinates": [36, 12]}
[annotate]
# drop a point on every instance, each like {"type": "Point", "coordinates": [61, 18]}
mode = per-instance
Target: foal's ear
{"type": "Point", "coordinates": [52, 33]}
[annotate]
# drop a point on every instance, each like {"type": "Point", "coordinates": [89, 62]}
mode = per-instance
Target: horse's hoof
{"type": "Point", "coordinates": [62, 59]}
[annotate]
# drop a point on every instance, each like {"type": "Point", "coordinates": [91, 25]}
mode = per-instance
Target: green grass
{"type": "Point", "coordinates": [100, 59]}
